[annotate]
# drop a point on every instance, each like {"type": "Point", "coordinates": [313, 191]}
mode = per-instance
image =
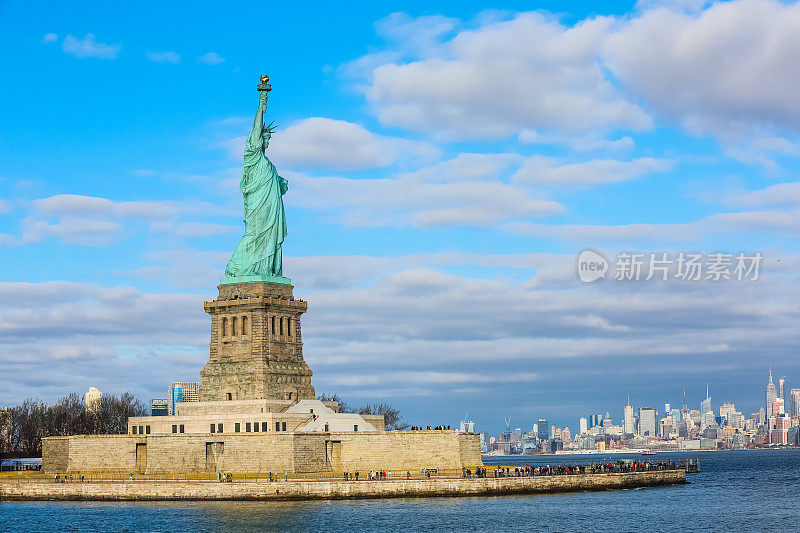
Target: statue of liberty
{"type": "Point", "coordinates": [258, 255]}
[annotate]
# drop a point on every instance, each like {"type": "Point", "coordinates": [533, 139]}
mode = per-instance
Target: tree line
{"type": "Point", "coordinates": [23, 426]}
{"type": "Point", "coordinates": [391, 416]}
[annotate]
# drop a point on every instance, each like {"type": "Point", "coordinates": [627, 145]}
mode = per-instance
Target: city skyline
{"type": "Point", "coordinates": [676, 428]}
{"type": "Point", "coordinates": [618, 413]}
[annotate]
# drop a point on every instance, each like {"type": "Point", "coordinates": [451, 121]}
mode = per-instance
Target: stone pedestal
{"type": "Point", "coordinates": [256, 345]}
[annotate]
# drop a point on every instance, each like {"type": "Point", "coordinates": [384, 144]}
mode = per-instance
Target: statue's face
{"type": "Point", "coordinates": [267, 136]}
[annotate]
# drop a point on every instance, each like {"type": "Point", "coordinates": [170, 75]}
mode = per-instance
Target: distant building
{"type": "Point", "coordinates": [705, 405]}
{"type": "Point", "coordinates": [778, 407]}
{"type": "Point", "coordinates": [726, 412]}
{"type": "Point", "coordinates": [793, 403]}
{"type": "Point", "coordinates": [467, 427]}
{"type": "Point", "coordinates": [595, 420]}
{"type": "Point", "coordinates": [159, 407]}
{"type": "Point", "coordinates": [543, 429]}
{"type": "Point", "coordinates": [628, 423]}
{"type": "Point", "coordinates": [92, 399]}
{"type": "Point", "coordinates": [583, 425]}
{"type": "Point", "coordinates": [182, 391]}
{"type": "Point", "coordinates": [770, 395]}
{"type": "Point", "coordinates": [779, 429]}
{"type": "Point", "coordinates": [647, 422]}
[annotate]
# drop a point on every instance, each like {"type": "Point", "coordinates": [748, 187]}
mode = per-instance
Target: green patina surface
{"type": "Point", "coordinates": [259, 256]}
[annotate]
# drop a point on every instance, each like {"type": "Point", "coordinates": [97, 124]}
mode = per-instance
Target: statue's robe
{"type": "Point", "coordinates": [259, 251]}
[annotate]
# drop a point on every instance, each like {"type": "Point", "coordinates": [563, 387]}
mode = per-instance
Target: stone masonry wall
{"type": "Point", "coordinates": [407, 450]}
{"type": "Point", "coordinates": [256, 348]}
{"type": "Point", "coordinates": [262, 452]}
{"type": "Point", "coordinates": [311, 490]}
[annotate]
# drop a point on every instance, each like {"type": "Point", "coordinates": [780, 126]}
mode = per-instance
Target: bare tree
{"type": "Point", "coordinates": [28, 421]}
{"type": "Point", "coordinates": [115, 411]}
{"type": "Point", "coordinates": [391, 416]}
{"type": "Point", "coordinates": [344, 407]}
{"type": "Point", "coordinates": [23, 426]}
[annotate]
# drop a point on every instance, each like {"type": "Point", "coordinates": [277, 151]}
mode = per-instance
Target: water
{"type": "Point", "coordinates": [735, 491]}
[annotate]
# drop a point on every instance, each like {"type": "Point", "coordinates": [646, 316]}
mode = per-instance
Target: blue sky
{"type": "Point", "coordinates": [446, 164]}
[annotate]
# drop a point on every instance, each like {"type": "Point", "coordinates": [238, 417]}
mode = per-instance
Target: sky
{"type": "Point", "coordinates": [447, 164]}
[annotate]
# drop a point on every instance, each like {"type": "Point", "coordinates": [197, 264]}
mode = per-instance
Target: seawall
{"type": "Point", "coordinates": [331, 489]}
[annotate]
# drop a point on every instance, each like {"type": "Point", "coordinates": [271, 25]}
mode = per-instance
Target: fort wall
{"type": "Point", "coordinates": [298, 452]}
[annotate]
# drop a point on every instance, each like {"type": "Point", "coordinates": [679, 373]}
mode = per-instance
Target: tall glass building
{"type": "Point", "coordinates": [182, 391]}
{"type": "Point", "coordinates": [543, 429]}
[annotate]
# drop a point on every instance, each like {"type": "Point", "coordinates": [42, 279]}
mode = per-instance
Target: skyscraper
{"type": "Point", "coordinates": [159, 407]}
{"type": "Point", "coordinates": [181, 391]}
{"type": "Point", "coordinates": [595, 420]}
{"type": "Point", "coordinates": [726, 412]}
{"type": "Point", "coordinates": [705, 405]}
{"type": "Point", "coordinates": [781, 383]}
{"type": "Point", "coordinates": [627, 423]}
{"type": "Point", "coordinates": [647, 422]}
{"type": "Point", "coordinates": [544, 429]}
{"type": "Point", "coordinates": [794, 403]}
{"type": "Point", "coordinates": [584, 426]}
{"type": "Point", "coordinates": [771, 394]}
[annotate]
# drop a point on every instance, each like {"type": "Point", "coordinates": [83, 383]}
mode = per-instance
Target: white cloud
{"type": "Point", "coordinates": [193, 229]}
{"type": "Point", "coordinates": [89, 47]}
{"type": "Point", "coordinates": [691, 6]}
{"type": "Point", "coordinates": [72, 230]}
{"type": "Point", "coordinates": [211, 58]}
{"type": "Point", "coordinates": [726, 69]}
{"type": "Point", "coordinates": [49, 38]}
{"type": "Point", "coordinates": [786, 223]}
{"type": "Point", "coordinates": [163, 57]}
{"type": "Point", "coordinates": [587, 173]}
{"type": "Point", "coordinates": [781, 194]}
{"type": "Point", "coordinates": [324, 143]}
{"type": "Point", "coordinates": [94, 221]}
{"type": "Point", "coordinates": [5, 207]}
{"type": "Point", "coordinates": [85, 335]}
{"type": "Point", "coordinates": [403, 202]}
{"type": "Point", "coordinates": [581, 144]}
{"type": "Point", "coordinates": [503, 77]}
{"type": "Point", "coordinates": [729, 70]}
{"type": "Point", "coordinates": [416, 35]}
{"type": "Point", "coordinates": [466, 167]}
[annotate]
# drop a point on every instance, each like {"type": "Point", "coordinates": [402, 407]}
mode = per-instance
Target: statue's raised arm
{"type": "Point", "coordinates": [256, 140]}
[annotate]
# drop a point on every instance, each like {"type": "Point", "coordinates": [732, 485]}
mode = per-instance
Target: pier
{"type": "Point", "coordinates": [329, 489]}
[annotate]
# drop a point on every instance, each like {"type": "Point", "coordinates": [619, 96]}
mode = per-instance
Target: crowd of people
{"type": "Point", "coordinates": [479, 472]}
{"type": "Point", "coordinates": [595, 468]}
{"type": "Point", "coordinates": [429, 428]}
